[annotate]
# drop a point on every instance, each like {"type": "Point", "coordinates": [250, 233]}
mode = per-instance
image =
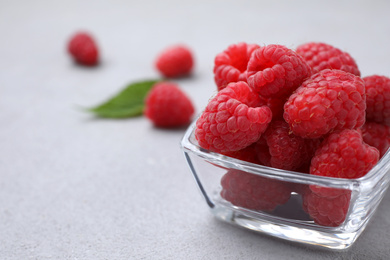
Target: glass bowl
{"type": "Point", "coordinates": [289, 220]}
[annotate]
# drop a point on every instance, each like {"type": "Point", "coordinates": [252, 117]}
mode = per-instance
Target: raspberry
{"type": "Point", "coordinates": [377, 135]}
{"type": "Point", "coordinates": [326, 211]}
{"type": "Point", "coordinates": [229, 123]}
{"type": "Point", "coordinates": [276, 105]}
{"type": "Point", "coordinates": [327, 101]}
{"type": "Point", "coordinates": [83, 49]}
{"type": "Point", "coordinates": [344, 155]}
{"type": "Point", "coordinates": [253, 192]}
{"type": "Point", "coordinates": [167, 106]}
{"type": "Point", "coordinates": [378, 99]}
{"type": "Point", "coordinates": [276, 71]}
{"type": "Point", "coordinates": [230, 65]}
{"type": "Point", "coordinates": [175, 61]}
{"type": "Point", "coordinates": [311, 146]}
{"type": "Point", "coordinates": [280, 148]}
{"type": "Point", "coordinates": [247, 154]}
{"type": "Point", "coordinates": [322, 56]}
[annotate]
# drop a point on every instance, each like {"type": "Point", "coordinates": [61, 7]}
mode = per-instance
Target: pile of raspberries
{"type": "Point", "coordinates": [305, 110]}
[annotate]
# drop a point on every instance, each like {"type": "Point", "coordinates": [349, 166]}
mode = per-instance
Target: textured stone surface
{"type": "Point", "coordinates": [76, 187]}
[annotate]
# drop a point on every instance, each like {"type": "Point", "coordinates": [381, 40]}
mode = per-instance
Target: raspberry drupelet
{"type": "Point", "coordinates": [378, 99]}
{"type": "Point", "coordinates": [232, 120]}
{"type": "Point", "coordinates": [276, 71]}
{"type": "Point", "coordinates": [322, 56]}
{"type": "Point", "coordinates": [329, 100]}
{"type": "Point", "coordinates": [231, 64]}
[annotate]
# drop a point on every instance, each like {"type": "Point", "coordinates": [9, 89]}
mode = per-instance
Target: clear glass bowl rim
{"type": "Point", "coordinates": [366, 182]}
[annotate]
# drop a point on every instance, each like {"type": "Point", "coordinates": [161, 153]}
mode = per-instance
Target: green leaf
{"type": "Point", "coordinates": [127, 103]}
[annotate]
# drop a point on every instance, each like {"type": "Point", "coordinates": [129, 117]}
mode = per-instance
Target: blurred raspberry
{"type": "Point", "coordinates": [378, 99]}
{"type": "Point", "coordinates": [344, 155]}
{"type": "Point", "coordinates": [377, 135]}
{"type": "Point", "coordinates": [322, 56]}
{"type": "Point", "coordinates": [276, 71]}
{"type": "Point", "coordinates": [326, 211]}
{"type": "Point", "coordinates": [231, 64]}
{"type": "Point", "coordinates": [167, 106]}
{"type": "Point", "coordinates": [327, 101]}
{"type": "Point", "coordinates": [253, 192]}
{"type": "Point", "coordinates": [175, 61]}
{"type": "Point", "coordinates": [83, 49]}
{"type": "Point", "coordinates": [229, 123]}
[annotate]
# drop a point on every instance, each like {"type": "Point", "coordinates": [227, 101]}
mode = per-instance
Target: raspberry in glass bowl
{"type": "Point", "coordinates": [324, 211]}
{"type": "Point", "coordinates": [309, 169]}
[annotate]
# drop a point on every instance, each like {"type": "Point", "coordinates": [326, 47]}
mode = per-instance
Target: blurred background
{"type": "Point", "coordinates": [131, 33]}
{"type": "Point", "coordinates": [76, 187]}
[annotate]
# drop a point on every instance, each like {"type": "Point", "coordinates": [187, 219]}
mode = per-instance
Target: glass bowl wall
{"type": "Point", "coordinates": [290, 219]}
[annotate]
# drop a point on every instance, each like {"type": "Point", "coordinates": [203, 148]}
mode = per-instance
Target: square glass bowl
{"type": "Point", "coordinates": [287, 221]}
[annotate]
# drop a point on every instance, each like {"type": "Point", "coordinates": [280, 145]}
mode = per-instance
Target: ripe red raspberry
{"type": "Point", "coordinates": [377, 135]}
{"type": "Point", "coordinates": [83, 49]}
{"type": "Point", "coordinates": [344, 155]}
{"type": "Point", "coordinates": [229, 122]}
{"type": "Point", "coordinates": [326, 211]}
{"type": "Point", "coordinates": [278, 147]}
{"type": "Point", "coordinates": [230, 65]}
{"type": "Point", "coordinates": [378, 99]}
{"type": "Point", "coordinates": [276, 71]}
{"type": "Point", "coordinates": [175, 61]}
{"type": "Point", "coordinates": [322, 56]}
{"type": "Point", "coordinates": [327, 101]}
{"type": "Point", "coordinates": [167, 106]}
{"type": "Point", "coordinates": [254, 192]}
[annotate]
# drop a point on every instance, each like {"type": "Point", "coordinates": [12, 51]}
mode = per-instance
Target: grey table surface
{"type": "Point", "coordinates": [76, 187]}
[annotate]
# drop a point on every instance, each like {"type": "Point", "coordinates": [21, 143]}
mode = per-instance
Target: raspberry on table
{"type": "Point", "coordinates": [322, 56]}
{"type": "Point", "coordinates": [326, 211]}
{"type": "Point", "coordinates": [377, 135]}
{"type": "Point", "coordinates": [344, 155]}
{"type": "Point", "coordinates": [378, 99]}
{"type": "Point", "coordinates": [278, 147]}
{"type": "Point", "coordinates": [229, 122]}
{"type": "Point", "coordinates": [254, 192]}
{"type": "Point", "coordinates": [167, 106]}
{"type": "Point", "coordinates": [231, 64]}
{"type": "Point", "coordinates": [83, 49]}
{"type": "Point", "coordinates": [276, 71]}
{"type": "Point", "coordinates": [175, 61]}
{"type": "Point", "coordinates": [327, 101]}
